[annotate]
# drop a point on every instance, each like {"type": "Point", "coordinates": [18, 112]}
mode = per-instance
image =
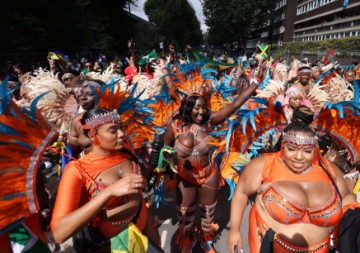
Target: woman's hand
{"type": "Point", "coordinates": [51, 65]}
{"type": "Point", "coordinates": [261, 73]}
{"type": "Point", "coordinates": [234, 240]}
{"type": "Point", "coordinates": [130, 184]}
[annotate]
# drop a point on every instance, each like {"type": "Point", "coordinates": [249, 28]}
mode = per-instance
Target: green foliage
{"type": "Point", "coordinates": [176, 20]}
{"type": "Point", "coordinates": [233, 20]}
{"type": "Point", "coordinates": [342, 44]}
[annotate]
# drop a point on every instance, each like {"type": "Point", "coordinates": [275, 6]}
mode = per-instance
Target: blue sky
{"type": "Point", "coordinates": [139, 11]}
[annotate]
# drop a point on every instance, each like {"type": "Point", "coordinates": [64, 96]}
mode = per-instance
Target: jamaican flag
{"type": "Point", "coordinates": [23, 240]}
{"type": "Point", "coordinates": [222, 66]}
{"type": "Point", "coordinates": [131, 240]}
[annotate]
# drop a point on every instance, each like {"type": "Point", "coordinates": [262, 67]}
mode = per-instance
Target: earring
{"type": "Point", "coordinates": [96, 141]}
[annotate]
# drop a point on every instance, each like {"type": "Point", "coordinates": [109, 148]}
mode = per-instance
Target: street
{"type": "Point", "coordinates": [166, 215]}
{"type": "Point", "coordinates": [168, 224]}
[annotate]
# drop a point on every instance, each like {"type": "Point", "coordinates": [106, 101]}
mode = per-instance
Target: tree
{"type": "Point", "coordinates": [232, 21]}
{"type": "Point", "coordinates": [176, 20]}
{"type": "Point", "coordinates": [64, 25]}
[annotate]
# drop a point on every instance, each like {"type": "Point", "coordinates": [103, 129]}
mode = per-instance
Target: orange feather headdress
{"type": "Point", "coordinates": [134, 114]}
{"type": "Point", "coordinates": [187, 80]}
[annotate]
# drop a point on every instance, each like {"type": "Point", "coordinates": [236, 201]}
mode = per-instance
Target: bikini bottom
{"type": "Point", "coordinates": [196, 177]}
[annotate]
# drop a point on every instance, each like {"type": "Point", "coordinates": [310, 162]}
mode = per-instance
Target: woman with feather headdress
{"type": "Point", "coordinates": [189, 133]}
{"type": "Point", "coordinates": [291, 179]}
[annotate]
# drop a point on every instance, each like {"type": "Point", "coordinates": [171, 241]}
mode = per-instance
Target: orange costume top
{"type": "Point", "coordinates": [198, 174]}
{"type": "Point", "coordinates": [287, 210]}
{"type": "Point", "coordinates": [78, 185]}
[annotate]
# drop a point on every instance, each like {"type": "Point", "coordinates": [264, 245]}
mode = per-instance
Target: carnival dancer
{"type": "Point", "coordinates": [87, 100]}
{"type": "Point", "coordinates": [103, 189]}
{"type": "Point", "coordinates": [301, 197]}
{"type": "Point", "coordinates": [189, 133]}
{"type": "Point", "coordinates": [304, 79]}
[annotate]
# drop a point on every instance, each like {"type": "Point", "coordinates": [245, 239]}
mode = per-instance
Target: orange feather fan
{"type": "Point", "coordinates": [344, 129]}
{"type": "Point", "coordinates": [22, 142]}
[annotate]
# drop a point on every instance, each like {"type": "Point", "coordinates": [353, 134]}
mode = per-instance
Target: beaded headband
{"type": "Point", "coordinates": [299, 140]}
{"type": "Point", "coordinates": [67, 75]}
{"type": "Point", "coordinates": [102, 119]}
{"type": "Point", "coordinates": [91, 84]}
{"type": "Point", "coordinates": [304, 70]}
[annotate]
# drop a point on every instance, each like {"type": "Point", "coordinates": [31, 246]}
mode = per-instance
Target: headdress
{"type": "Point", "coordinates": [339, 89]}
{"type": "Point", "coordinates": [304, 69]}
{"type": "Point", "coordinates": [102, 119]}
{"type": "Point", "coordinates": [91, 83]}
{"type": "Point", "coordinates": [187, 80]}
{"type": "Point", "coordinates": [299, 140]}
{"type": "Point", "coordinates": [280, 72]}
{"type": "Point", "coordinates": [58, 105]}
{"type": "Point", "coordinates": [67, 75]}
{"type": "Point", "coordinates": [255, 130]}
{"type": "Point", "coordinates": [147, 87]}
{"type": "Point", "coordinates": [104, 76]}
{"type": "Point", "coordinates": [24, 137]}
{"type": "Point", "coordinates": [135, 116]}
{"type": "Point", "coordinates": [193, 80]}
{"type": "Point", "coordinates": [315, 99]}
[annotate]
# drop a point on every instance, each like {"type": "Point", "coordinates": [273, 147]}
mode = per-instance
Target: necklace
{"type": "Point", "coordinates": [297, 172]}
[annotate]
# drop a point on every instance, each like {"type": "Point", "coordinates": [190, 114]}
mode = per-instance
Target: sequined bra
{"type": "Point", "coordinates": [182, 129]}
{"type": "Point", "coordinates": [287, 210]}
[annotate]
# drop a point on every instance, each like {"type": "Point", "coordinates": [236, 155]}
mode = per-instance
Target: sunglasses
{"type": "Point", "coordinates": [68, 79]}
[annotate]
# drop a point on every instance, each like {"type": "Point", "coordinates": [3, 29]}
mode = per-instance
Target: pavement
{"type": "Point", "coordinates": [167, 218]}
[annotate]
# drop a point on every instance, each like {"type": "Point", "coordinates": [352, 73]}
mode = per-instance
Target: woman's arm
{"type": "Point", "coordinates": [68, 218]}
{"type": "Point", "coordinates": [73, 139]}
{"type": "Point", "coordinates": [248, 184]}
{"type": "Point", "coordinates": [218, 117]}
{"type": "Point", "coordinates": [73, 133]}
{"type": "Point", "coordinates": [169, 134]}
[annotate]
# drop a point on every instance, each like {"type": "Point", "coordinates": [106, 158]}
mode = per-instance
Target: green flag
{"type": "Point", "coordinates": [199, 57]}
{"type": "Point", "coordinates": [151, 56]}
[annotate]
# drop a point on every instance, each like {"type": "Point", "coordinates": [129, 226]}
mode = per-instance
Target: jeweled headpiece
{"type": "Point", "coordinates": [102, 119]}
{"type": "Point", "coordinates": [299, 139]}
{"type": "Point", "coordinates": [304, 69]}
{"type": "Point", "coordinates": [91, 83]}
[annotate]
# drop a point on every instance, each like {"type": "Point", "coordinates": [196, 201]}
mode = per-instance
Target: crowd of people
{"type": "Point", "coordinates": [287, 134]}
